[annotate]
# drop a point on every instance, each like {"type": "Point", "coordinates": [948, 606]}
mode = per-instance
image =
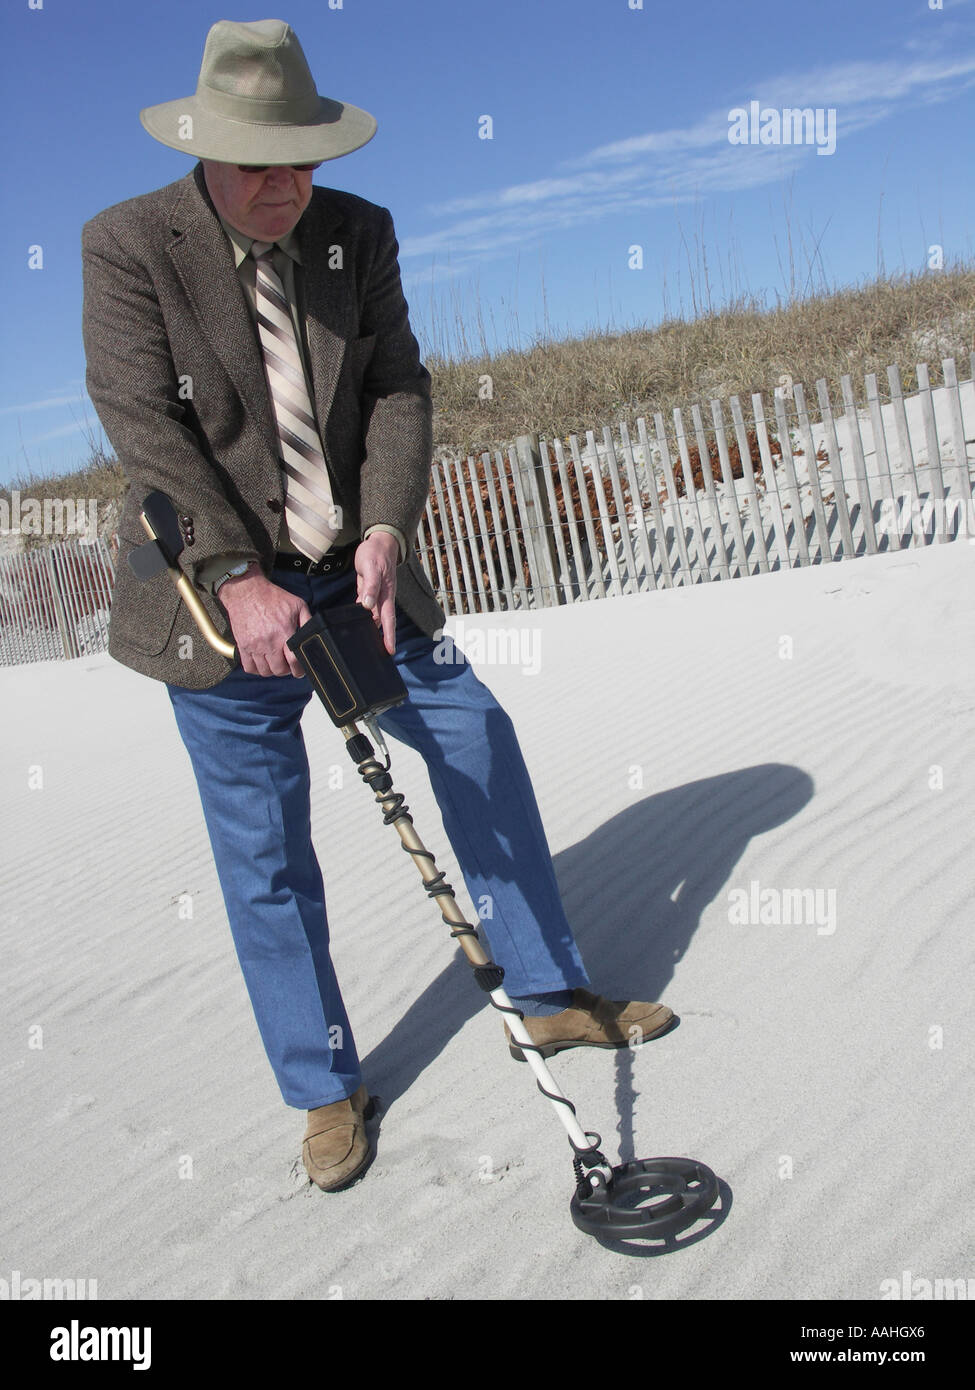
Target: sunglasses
{"type": "Point", "coordinates": [263, 168]}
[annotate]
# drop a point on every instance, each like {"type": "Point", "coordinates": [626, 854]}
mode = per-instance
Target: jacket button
{"type": "Point", "coordinates": [274, 504]}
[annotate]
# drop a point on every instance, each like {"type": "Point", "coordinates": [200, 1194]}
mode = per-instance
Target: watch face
{"type": "Point", "coordinates": [232, 574]}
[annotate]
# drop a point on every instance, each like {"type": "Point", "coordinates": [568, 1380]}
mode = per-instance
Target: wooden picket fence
{"type": "Point", "coordinates": [55, 601]}
{"type": "Point", "coordinates": [771, 487]}
{"type": "Point", "coordinates": [686, 501]}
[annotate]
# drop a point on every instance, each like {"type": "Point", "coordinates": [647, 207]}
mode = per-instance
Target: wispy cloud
{"type": "Point", "coordinates": [46, 403]}
{"type": "Point", "coordinates": [79, 427]}
{"type": "Point", "coordinates": [680, 164]}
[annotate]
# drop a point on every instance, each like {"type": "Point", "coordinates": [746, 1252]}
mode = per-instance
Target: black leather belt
{"type": "Point", "coordinates": [334, 561]}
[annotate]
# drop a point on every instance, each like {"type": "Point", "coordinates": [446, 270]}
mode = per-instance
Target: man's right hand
{"type": "Point", "coordinates": [263, 616]}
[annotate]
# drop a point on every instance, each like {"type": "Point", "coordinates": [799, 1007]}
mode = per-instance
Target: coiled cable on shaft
{"type": "Point", "coordinates": [488, 973]}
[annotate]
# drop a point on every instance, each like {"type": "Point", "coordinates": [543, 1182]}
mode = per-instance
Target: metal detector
{"type": "Point", "coordinates": [343, 654]}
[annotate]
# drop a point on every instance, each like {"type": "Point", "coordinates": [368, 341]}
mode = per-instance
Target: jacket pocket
{"type": "Point", "coordinates": [143, 611]}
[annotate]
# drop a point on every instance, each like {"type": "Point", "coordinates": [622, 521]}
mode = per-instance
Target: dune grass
{"type": "Point", "coordinates": [557, 388]}
{"type": "Point", "coordinates": [561, 388]}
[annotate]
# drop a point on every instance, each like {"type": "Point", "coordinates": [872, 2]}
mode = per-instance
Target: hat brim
{"type": "Point", "coordinates": [186, 125]}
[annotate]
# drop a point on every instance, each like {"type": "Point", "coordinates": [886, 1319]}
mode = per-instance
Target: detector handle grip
{"type": "Point", "coordinates": [161, 525]}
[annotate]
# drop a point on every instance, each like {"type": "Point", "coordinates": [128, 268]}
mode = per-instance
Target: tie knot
{"type": "Point", "coordinates": [261, 248]}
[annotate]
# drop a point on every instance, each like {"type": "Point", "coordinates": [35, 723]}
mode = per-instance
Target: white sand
{"type": "Point", "coordinates": [824, 1074]}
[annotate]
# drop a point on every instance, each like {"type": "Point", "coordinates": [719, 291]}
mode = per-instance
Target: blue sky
{"type": "Point", "coordinates": [610, 130]}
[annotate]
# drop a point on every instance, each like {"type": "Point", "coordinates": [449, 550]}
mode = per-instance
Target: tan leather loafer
{"type": "Point", "coordinates": [592, 1021]}
{"type": "Point", "coordinates": [335, 1149]}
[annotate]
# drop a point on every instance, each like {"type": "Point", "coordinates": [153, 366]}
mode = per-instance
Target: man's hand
{"type": "Point", "coordinates": [375, 563]}
{"type": "Point", "coordinates": [263, 616]}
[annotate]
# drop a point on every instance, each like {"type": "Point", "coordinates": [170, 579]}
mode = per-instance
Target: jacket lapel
{"type": "Point", "coordinates": [327, 299]}
{"type": "Point", "coordinates": [204, 262]}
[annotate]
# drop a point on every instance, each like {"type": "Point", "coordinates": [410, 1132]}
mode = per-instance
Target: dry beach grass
{"type": "Point", "coordinates": [557, 388]}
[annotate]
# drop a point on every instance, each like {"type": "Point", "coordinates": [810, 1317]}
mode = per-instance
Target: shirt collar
{"type": "Point", "coordinates": [242, 244]}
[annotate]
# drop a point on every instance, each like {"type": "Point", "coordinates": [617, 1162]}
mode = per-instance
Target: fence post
{"type": "Point", "coordinates": [67, 636]}
{"type": "Point", "coordinates": [498, 521]}
{"type": "Point", "coordinates": [771, 481]}
{"type": "Point", "coordinates": [963, 484]}
{"type": "Point", "coordinates": [836, 470]}
{"type": "Point", "coordinates": [907, 479]}
{"type": "Point", "coordinates": [708, 477]}
{"type": "Point", "coordinates": [792, 482]}
{"type": "Point", "coordinates": [639, 513]}
{"type": "Point", "coordinates": [739, 547]}
{"type": "Point", "coordinates": [812, 472]}
{"type": "Point", "coordinates": [483, 532]}
{"type": "Point", "coordinates": [509, 481]}
{"type": "Point", "coordinates": [936, 480]}
{"type": "Point", "coordinates": [456, 594]}
{"type": "Point", "coordinates": [879, 436]}
{"type": "Point", "coordinates": [539, 523]}
{"type": "Point", "coordinates": [756, 520]}
{"type": "Point", "coordinates": [859, 463]}
{"type": "Point", "coordinates": [579, 471]}
{"type": "Point", "coordinates": [690, 497]}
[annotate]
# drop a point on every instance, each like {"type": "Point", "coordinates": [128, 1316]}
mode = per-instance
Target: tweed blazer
{"type": "Point", "coordinates": [175, 371]}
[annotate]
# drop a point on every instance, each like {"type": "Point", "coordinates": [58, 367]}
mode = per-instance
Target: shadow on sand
{"type": "Point", "coordinates": [659, 864]}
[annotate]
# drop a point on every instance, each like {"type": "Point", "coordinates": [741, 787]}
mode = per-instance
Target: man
{"type": "Point", "coordinates": [250, 354]}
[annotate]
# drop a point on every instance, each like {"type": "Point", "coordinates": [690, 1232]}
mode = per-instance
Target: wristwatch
{"type": "Point", "coordinates": [233, 573]}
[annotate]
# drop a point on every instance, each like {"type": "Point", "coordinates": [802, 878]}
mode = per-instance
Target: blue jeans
{"type": "Point", "coordinates": [245, 743]}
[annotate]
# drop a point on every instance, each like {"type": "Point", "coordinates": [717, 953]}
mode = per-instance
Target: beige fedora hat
{"type": "Point", "coordinates": [256, 103]}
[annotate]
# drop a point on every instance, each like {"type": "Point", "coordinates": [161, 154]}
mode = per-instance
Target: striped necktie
{"type": "Point", "coordinates": [313, 519]}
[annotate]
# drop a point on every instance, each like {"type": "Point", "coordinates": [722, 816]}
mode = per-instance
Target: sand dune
{"type": "Point", "coordinates": [686, 760]}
